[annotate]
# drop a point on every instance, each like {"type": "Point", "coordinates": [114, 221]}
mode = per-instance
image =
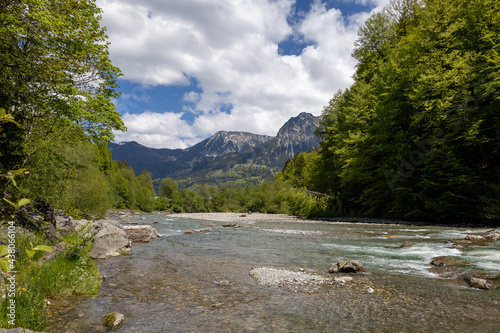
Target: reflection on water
{"type": "Point", "coordinates": [200, 282]}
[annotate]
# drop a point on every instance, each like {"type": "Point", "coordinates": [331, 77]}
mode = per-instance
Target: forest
{"type": "Point", "coordinates": [416, 136]}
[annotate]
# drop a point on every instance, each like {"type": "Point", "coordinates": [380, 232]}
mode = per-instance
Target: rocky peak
{"type": "Point", "coordinates": [297, 134]}
{"type": "Point", "coordinates": [228, 142]}
{"type": "Point", "coordinates": [303, 126]}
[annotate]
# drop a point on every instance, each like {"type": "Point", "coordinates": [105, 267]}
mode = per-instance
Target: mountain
{"type": "Point", "coordinates": [225, 156]}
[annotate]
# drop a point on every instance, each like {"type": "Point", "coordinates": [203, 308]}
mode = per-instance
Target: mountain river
{"type": "Point", "coordinates": [201, 283]}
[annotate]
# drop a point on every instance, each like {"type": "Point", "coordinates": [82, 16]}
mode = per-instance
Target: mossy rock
{"type": "Point", "coordinates": [113, 320]}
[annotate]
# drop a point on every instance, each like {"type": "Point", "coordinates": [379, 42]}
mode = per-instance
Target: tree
{"type": "Point", "coordinates": [417, 135]}
{"type": "Point", "coordinates": [55, 66]}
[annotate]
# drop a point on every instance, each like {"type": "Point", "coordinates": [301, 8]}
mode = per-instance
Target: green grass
{"type": "Point", "coordinates": [71, 273]}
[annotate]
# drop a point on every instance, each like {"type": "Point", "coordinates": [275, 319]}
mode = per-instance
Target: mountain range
{"type": "Point", "coordinates": [226, 157]}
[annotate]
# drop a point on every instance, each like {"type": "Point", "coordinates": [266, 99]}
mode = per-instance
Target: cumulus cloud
{"type": "Point", "coordinates": [231, 48]}
{"type": "Point", "coordinates": [157, 130]}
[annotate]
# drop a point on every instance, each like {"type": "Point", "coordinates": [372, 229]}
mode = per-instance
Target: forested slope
{"type": "Point", "coordinates": [417, 136]}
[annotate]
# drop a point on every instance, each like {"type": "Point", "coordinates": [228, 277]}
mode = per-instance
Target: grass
{"type": "Point", "coordinates": [71, 273]}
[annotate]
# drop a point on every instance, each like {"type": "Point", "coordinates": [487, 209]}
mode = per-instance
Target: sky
{"type": "Point", "coordinates": [195, 67]}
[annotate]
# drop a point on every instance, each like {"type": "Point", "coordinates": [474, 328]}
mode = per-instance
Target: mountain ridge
{"type": "Point", "coordinates": [222, 152]}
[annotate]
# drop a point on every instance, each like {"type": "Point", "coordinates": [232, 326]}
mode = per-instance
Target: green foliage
{"type": "Point", "coordinates": [56, 108]}
{"type": "Point", "coordinates": [417, 135]}
{"type": "Point", "coordinates": [32, 251]}
{"type": "Point", "coordinates": [71, 273]}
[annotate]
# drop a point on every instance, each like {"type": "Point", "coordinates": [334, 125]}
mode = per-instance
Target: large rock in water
{"type": "Point", "coordinates": [342, 266]}
{"type": "Point", "coordinates": [141, 233]}
{"type": "Point", "coordinates": [493, 234]}
{"type": "Point", "coordinates": [480, 283]}
{"type": "Point", "coordinates": [448, 261]}
{"type": "Point", "coordinates": [110, 240]}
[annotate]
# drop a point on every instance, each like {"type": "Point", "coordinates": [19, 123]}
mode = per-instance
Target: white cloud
{"type": "Point", "coordinates": [231, 48]}
{"type": "Point", "coordinates": [157, 130]}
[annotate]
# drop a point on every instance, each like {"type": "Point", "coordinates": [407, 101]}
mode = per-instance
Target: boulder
{"type": "Point", "coordinates": [78, 224]}
{"type": "Point", "coordinates": [110, 240]}
{"type": "Point", "coordinates": [448, 261]}
{"type": "Point", "coordinates": [140, 233]}
{"type": "Point", "coordinates": [493, 234]}
{"type": "Point", "coordinates": [480, 283]}
{"type": "Point", "coordinates": [342, 266]}
{"type": "Point", "coordinates": [62, 220]}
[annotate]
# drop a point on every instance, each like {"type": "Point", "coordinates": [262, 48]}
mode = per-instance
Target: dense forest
{"type": "Point", "coordinates": [417, 136]}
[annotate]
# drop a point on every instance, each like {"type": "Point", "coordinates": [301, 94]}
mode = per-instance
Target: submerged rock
{"type": "Point", "coordinates": [194, 231]}
{"type": "Point", "coordinates": [141, 233]}
{"type": "Point", "coordinates": [342, 266]}
{"type": "Point", "coordinates": [406, 244]}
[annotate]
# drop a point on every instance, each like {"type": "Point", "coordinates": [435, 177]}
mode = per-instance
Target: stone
{"type": "Point", "coordinates": [448, 261]}
{"type": "Point", "coordinates": [474, 237]}
{"type": "Point", "coordinates": [492, 234]}
{"type": "Point", "coordinates": [140, 233]}
{"type": "Point", "coordinates": [350, 266]}
{"type": "Point", "coordinates": [113, 320]}
{"type": "Point", "coordinates": [194, 231]}
{"type": "Point", "coordinates": [78, 224]}
{"type": "Point", "coordinates": [50, 233]}
{"type": "Point", "coordinates": [110, 240]}
{"type": "Point", "coordinates": [57, 250]}
{"type": "Point", "coordinates": [406, 244]}
{"type": "Point", "coordinates": [62, 220]}
{"type": "Point", "coordinates": [480, 283]}
{"type": "Point", "coordinates": [343, 279]}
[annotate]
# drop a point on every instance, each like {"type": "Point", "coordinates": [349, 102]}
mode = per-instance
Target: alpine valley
{"type": "Point", "coordinates": [233, 158]}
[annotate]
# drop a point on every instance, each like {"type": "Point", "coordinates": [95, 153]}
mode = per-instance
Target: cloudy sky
{"type": "Point", "coordinates": [195, 67]}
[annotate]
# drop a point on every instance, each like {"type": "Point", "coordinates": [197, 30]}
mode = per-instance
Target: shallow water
{"type": "Point", "coordinates": [200, 282]}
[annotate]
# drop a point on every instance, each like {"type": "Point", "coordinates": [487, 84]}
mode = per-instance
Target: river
{"type": "Point", "coordinates": [201, 282]}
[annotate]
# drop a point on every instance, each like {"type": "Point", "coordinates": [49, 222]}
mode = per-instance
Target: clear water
{"type": "Point", "coordinates": [200, 282]}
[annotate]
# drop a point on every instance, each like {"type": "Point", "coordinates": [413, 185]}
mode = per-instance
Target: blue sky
{"type": "Point", "coordinates": [195, 67]}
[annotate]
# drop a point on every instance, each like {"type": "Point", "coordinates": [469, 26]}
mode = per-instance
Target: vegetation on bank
{"type": "Point", "coordinates": [72, 272]}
